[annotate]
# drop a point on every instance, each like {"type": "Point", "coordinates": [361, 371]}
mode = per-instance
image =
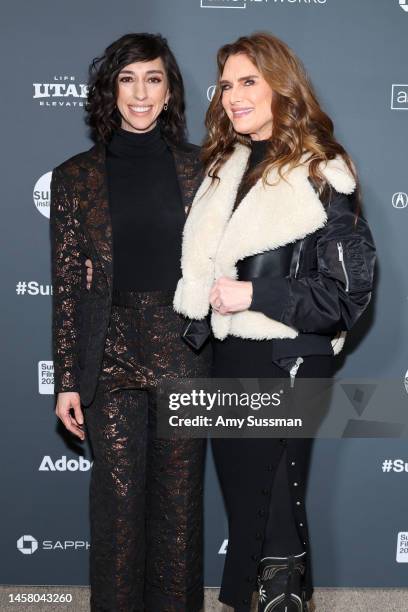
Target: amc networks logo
{"type": "Point", "coordinates": [235, 4]}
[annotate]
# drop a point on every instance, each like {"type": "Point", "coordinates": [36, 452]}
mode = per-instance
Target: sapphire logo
{"type": "Point", "coordinates": [27, 545]}
{"type": "Point", "coordinates": [236, 4]}
{"type": "Point", "coordinates": [399, 96]}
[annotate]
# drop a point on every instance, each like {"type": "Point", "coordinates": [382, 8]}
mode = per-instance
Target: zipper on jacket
{"type": "Point", "coordinates": [341, 260]}
{"type": "Point", "coordinates": [298, 259]}
{"type": "Point", "coordinates": [294, 369]}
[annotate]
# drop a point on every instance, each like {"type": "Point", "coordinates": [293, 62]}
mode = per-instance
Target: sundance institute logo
{"type": "Point", "coordinates": [404, 5]}
{"type": "Point", "coordinates": [42, 194]}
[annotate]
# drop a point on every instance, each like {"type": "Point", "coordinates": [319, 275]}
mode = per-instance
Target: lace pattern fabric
{"type": "Point", "coordinates": [146, 493]}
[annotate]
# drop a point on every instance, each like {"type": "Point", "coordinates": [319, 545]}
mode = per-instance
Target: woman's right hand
{"type": "Point", "coordinates": [89, 272]}
{"type": "Point", "coordinates": [65, 402]}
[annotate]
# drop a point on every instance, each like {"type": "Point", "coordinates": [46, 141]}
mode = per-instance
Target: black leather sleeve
{"type": "Point", "coordinates": [66, 281]}
{"type": "Point", "coordinates": [334, 284]}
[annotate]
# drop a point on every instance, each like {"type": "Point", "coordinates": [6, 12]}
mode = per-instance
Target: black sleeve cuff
{"type": "Point", "coordinates": [271, 296]}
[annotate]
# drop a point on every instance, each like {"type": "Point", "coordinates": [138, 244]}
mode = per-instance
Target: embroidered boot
{"type": "Point", "coordinates": [279, 582]}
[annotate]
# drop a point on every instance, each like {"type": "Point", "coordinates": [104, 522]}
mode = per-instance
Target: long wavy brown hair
{"type": "Point", "coordinates": [299, 124]}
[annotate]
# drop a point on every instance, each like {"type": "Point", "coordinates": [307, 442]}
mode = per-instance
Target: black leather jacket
{"type": "Point", "coordinates": [321, 284]}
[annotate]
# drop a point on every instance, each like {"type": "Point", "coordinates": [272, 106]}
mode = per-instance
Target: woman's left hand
{"type": "Point", "coordinates": [228, 296]}
{"type": "Point", "coordinates": [89, 273]}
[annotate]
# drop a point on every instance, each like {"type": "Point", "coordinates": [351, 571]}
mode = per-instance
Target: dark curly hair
{"type": "Point", "coordinates": [102, 114]}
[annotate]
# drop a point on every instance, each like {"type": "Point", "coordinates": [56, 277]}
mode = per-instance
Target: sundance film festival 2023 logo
{"type": "Point", "coordinates": [243, 4]}
{"type": "Point", "coordinates": [46, 377]}
{"type": "Point", "coordinates": [402, 547]}
{"type": "Point", "coordinates": [61, 92]}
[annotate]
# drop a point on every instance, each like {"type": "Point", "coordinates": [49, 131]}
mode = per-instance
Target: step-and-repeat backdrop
{"type": "Point", "coordinates": [356, 53]}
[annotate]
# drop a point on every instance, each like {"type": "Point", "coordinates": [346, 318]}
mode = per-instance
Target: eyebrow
{"type": "Point", "coordinates": [148, 72]}
{"type": "Point", "coordinates": [244, 78]}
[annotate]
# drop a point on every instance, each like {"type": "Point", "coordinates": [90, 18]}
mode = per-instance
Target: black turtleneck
{"type": "Point", "coordinates": [257, 155]}
{"type": "Point", "coordinates": [146, 210]}
{"type": "Point", "coordinates": [258, 152]}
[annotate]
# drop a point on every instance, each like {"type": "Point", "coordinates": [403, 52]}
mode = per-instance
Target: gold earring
{"type": "Point", "coordinates": [165, 107]}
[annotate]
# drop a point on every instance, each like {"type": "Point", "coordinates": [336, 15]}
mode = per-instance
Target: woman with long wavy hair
{"type": "Point", "coordinates": [122, 204]}
{"type": "Point", "coordinates": [285, 262]}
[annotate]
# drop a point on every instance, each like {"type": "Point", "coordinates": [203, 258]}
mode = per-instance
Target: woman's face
{"type": "Point", "coordinates": [142, 91]}
{"type": "Point", "coordinates": [246, 97]}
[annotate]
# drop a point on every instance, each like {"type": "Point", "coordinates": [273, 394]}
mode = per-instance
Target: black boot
{"type": "Point", "coordinates": [279, 582]}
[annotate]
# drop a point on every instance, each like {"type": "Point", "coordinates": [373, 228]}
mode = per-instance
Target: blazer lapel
{"type": "Point", "coordinates": [94, 205]}
{"type": "Point", "coordinates": [189, 173]}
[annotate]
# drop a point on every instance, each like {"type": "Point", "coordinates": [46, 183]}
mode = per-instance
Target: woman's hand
{"type": "Point", "coordinates": [89, 272]}
{"type": "Point", "coordinates": [66, 402]}
{"type": "Point", "coordinates": [228, 296]}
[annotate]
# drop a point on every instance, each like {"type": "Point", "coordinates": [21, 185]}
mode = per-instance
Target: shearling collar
{"type": "Point", "coordinates": [268, 217]}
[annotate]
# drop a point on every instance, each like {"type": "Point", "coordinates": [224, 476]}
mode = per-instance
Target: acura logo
{"type": "Point", "coordinates": [400, 200]}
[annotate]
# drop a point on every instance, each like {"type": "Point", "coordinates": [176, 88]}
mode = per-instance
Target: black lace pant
{"type": "Point", "coordinates": [145, 493]}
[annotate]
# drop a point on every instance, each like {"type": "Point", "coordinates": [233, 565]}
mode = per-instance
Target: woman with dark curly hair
{"type": "Point", "coordinates": [286, 265]}
{"type": "Point", "coordinates": [123, 204]}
